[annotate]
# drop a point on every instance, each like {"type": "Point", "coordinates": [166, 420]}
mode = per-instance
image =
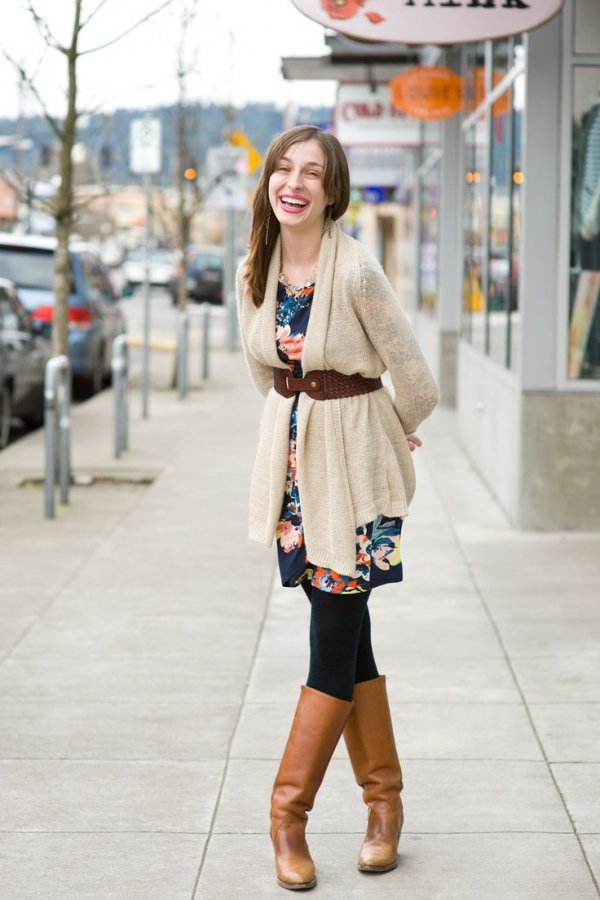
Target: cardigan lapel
{"type": "Point", "coordinates": [268, 310]}
{"type": "Point", "coordinates": [313, 350]}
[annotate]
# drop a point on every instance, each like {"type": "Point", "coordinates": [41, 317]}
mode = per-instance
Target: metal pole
{"type": "Point", "coordinates": [146, 348]}
{"type": "Point", "coordinates": [125, 396]}
{"type": "Point", "coordinates": [229, 279]}
{"type": "Point", "coordinates": [205, 340]}
{"type": "Point", "coordinates": [183, 327]}
{"type": "Point", "coordinates": [65, 434]}
{"type": "Point", "coordinates": [57, 366]}
{"type": "Point", "coordinates": [119, 366]}
{"type": "Point", "coordinates": [49, 436]}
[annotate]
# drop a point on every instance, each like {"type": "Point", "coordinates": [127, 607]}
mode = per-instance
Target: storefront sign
{"type": "Point", "coordinates": [433, 92]}
{"type": "Point", "coordinates": [382, 166]}
{"type": "Point", "coordinates": [366, 117]}
{"type": "Point", "coordinates": [429, 21]}
{"type": "Point", "coordinates": [427, 92]}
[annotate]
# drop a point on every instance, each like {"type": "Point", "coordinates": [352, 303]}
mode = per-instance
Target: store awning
{"type": "Point", "coordinates": [352, 60]}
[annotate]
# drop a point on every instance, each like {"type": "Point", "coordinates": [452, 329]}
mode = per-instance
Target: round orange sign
{"type": "Point", "coordinates": [428, 92]}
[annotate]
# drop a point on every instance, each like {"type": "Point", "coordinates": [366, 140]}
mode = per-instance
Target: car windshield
{"type": "Point", "coordinates": [156, 256]}
{"type": "Point", "coordinates": [28, 267]}
{"type": "Point", "coordinates": [207, 260]}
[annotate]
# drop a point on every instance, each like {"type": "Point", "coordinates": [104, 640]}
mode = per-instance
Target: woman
{"type": "Point", "coordinates": [333, 474]}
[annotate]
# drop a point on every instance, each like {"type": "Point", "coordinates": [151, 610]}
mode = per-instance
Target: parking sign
{"type": "Point", "coordinates": [145, 146]}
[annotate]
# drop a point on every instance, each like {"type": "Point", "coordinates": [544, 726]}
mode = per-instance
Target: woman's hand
{"type": "Point", "coordinates": [413, 441]}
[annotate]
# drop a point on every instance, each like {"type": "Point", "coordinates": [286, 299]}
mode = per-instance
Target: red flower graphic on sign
{"type": "Point", "coordinates": [345, 9]}
{"type": "Point", "coordinates": [342, 9]}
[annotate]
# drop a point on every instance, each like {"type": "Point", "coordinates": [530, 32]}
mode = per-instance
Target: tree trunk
{"type": "Point", "coordinates": [63, 213]}
{"type": "Point", "coordinates": [183, 214]}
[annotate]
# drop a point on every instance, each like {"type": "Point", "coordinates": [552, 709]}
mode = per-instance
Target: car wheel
{"type": "Point", "coordinates": [5, 416]}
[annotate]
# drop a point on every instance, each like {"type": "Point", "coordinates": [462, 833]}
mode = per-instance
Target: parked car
{"type": "Point", "coordinates": [5, 401]}
{"type": "Point", "coordinates": [95, 318]}
{"type": "Point", "coordinates": [162, 268]}
{"type": "Point", "coordinates": [23, 358]}
{"type": "Point", "coordinates": [205, 275]}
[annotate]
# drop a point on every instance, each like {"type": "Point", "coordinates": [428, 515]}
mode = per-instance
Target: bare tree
{"type": "Point", "coordinates": [64, 206]}
{"type": "Point", "coordinates": [187, 188]}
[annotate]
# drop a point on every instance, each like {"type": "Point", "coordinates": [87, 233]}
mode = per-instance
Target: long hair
{"type": "Point", "coordinates": [336, 184]}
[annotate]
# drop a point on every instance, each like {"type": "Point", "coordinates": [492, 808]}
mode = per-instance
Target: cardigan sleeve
{"type": "Point", "coordinates": [416, 392]}
{"type": "Point", "coordinates": [261, 375]}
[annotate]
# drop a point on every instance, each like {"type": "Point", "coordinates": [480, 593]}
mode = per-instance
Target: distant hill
{"type": "Point", "coordinates": [206, 126]}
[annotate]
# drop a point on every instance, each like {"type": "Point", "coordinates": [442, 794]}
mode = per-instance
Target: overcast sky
{"type": "Point", "coordinates": [238, 46]}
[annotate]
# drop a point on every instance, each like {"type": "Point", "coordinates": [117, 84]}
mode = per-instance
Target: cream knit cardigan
{"type": "Point", "coordinates": [353, 459]}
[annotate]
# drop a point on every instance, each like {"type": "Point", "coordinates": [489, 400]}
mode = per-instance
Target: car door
{"type": "Point", "coordinates": [103, 299]}
{"type": "Point", "coordinates": [26, 355]}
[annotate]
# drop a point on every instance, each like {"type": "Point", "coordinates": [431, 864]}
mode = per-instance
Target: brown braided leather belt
{"type": "Point", "coordinates": [324, 385]}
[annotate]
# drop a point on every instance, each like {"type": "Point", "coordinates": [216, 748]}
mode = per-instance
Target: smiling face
{"type": "Point", "coordinates": [296, 190]}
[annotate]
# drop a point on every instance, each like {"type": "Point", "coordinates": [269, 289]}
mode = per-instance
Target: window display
{"type": "Point", "coordinates": [475, 269]}
{"type": "Point", "coordinates": [429, 262]}
{"type": "Point", "coordinates": [584, 308]}
{"type": "Point", "coordinates": [492, 206]}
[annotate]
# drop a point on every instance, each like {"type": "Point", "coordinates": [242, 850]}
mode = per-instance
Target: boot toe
{"type": "Point", "coordinates": [294, 865]}
{"type": "Point", "coordinates": [377, 857]}
{"type": "Point", "coordinates": [293, 880]}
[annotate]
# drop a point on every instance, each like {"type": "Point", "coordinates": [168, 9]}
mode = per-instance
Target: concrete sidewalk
{"type": "Point", "coordinates": [151, 664]}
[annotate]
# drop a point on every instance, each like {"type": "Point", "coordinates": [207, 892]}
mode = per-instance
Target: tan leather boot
{"type": "Point", "coordinates": [316, 729]}
{"type": "Point", "coordinates": [370, 741]}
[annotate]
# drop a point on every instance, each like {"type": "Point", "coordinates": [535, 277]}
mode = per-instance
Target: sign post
{"type": "Point", "coordinates": [227, 169]}
{"type": "Point", "coordinates": [145, 159]}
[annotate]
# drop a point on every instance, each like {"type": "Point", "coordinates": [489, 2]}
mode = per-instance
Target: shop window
{"type": "Point", "coordinates": [584, 306]}
{"type": "Point", "coordinates": [499, 246]}
{"type": "Point", "coordinates": [587, 26]}
{"type": "Point", "coordinates": [516, 206]}
{"type": "Point", "coordinates": [506, 184]}
{"type": "Point", "coordinates": [475, 268]}
{"type": "Point", "coordinates": [492, 212]}
{"type": "Point", "coordinates": [429, 211]}
{"type": "Point", "coordinates": [473, 77]}
{"type": "Point", "coordinates": [405, 244]}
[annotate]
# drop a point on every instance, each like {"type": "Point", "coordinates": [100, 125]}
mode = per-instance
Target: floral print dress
{"type": "Point", "coordinates": [378, 542]}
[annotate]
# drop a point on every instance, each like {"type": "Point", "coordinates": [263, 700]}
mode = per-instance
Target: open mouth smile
{"type": "Point", "coordinates": [292, 203]}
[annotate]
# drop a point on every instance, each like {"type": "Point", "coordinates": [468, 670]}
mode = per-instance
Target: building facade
{"type": "Point", "coordinates": [493, 242]}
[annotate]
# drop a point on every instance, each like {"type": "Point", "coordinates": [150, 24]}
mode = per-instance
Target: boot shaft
{"type": "Point", "coordinates": [316, 729]}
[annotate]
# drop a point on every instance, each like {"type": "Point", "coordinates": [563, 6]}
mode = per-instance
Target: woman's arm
{"type": "Point", "coordinates": [415, 390]}
{"type": "Point", "coordinates": [261, 375]}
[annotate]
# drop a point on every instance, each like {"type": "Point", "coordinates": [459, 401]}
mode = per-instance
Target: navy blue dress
{"type": "Point", "coordinates": [378, 557]}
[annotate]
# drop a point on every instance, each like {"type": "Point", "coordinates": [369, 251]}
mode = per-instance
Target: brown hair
{"type": "Point", "coordinates": [336, 184]}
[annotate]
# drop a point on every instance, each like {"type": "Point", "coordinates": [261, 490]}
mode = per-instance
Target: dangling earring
{"type": "Point", "coordinates": [328, 221]}
{"type": "Point", "coordinates": [267, 229]}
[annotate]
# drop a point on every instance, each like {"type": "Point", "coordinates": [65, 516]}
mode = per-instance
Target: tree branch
{"type": "Point", "coordinates": [131, 28]}
{"type": "Point", "coordinates": [85, 203]}
{"type": "Point", "coordinates": [44, 29]}
{"type": "Point", "coordinates": [92, 14]}
{"type": "Point", "coordinates": [31, 85]}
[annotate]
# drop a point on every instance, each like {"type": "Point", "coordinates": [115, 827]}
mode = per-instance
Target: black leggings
{"type": "Point", "coordinates": [341, 654]}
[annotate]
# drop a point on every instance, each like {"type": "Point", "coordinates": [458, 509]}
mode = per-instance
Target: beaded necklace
{"type": "Point", "coordinates": [294, 290]}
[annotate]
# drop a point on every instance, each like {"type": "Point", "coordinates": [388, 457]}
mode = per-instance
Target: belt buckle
{"type": "Point", "coordinates": [315, 389]}
{"type": "Point", "coordinates": [287, 384]}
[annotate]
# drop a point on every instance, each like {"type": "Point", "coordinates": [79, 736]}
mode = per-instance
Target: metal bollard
{"type": "Point", "coordinates": [183, 329]}
{"type": "Point", "coordinates": [205, 340]}
{"type": "Point", "coordinates": [120, 377]}
{"type": "Point", "coordinates": [57, 397]}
